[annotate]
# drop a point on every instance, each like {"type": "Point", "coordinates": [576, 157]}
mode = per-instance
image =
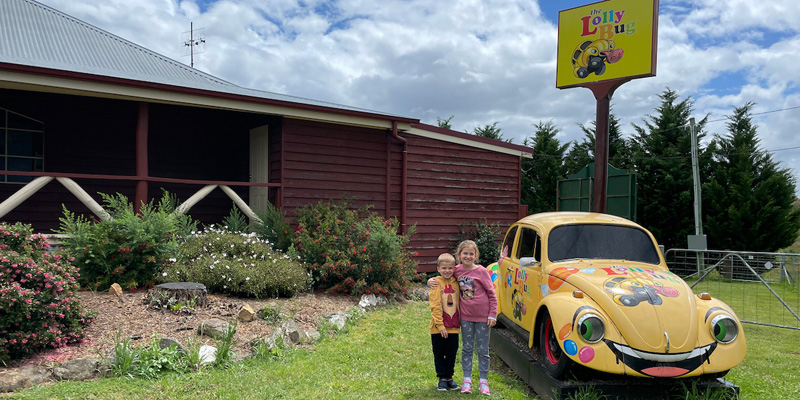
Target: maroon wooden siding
{"type": "Point", "coordinates": [451, 184]}
{"type": "Point", "coordinates": [323, 161]}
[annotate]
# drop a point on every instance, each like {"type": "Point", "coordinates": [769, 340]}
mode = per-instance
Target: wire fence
{"type": "Point", "coordinates": [761, 288]}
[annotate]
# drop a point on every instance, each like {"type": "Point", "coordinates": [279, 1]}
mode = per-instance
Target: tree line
{"type": "Point", "coordinates": [747, 197]}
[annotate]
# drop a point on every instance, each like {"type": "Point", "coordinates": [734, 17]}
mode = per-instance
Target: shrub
{"type": "Point", "coordinates": [274, 228]}
{"type": "Point", "coordinates": [486, 236]}
{"type": "Point", "coordinates": [236, 264]}
{"type": "Point", "coordinates": [37, 304]}
{"type": "Point", "coordinates": [128, 249]}
{"type": "Point", "coordinates": [353, 251]}
{"type": "Point", "coordinates": [235, 221]}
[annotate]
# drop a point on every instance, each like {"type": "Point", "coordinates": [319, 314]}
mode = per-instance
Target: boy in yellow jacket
{"type": "Point", "coordinates": [445, 322]}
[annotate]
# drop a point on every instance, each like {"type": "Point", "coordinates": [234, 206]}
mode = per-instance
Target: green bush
{"type": "Point", "coordinates": [353, 251]}
{"type": "Point", "coordinates": [128, 249]}
{"type": "Point", "coordinates": [486, 236]}
{"type": "Point", "coordinates": [235, 221]}
{"type": "Point", "coordinates": [236, 264]}
{"type": "Point", "coordinates": [37, 304]}
{"type": "Point", "coordinates": [274, 228]}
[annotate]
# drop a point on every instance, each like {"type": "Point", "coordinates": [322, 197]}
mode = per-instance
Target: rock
{"type": "Point", "coordinates": [214, 327]}
{"type": "Point", "coordinates": [79, 369]}
{"type": "Point", "coordinates": [246, 313]}
{"type": "Point", "coordinates": [293, 332]}
{"type": "Point", "coordinates": [166, 342]}
{"type": "Point", "coordinates": [207, 354]}
{"type": "Point", "coordinates": [419, 293]}
{"type": "Point", "coordinates": [338, 320]}
{"type": "Point", "coordinates": [23, 377]}
{"type": "Point", "coordinates": [368, 301]}
{"type": "Point", "coordinates": [313, 335]}
{"type": "Point", "coordinates": [371, 301]}
{"type": "Point", "coordinates": [398, 298]}
{"type": "Point", "coordinates": [271, 340]}
{"type": "Point", "coordinates": [116, 289]}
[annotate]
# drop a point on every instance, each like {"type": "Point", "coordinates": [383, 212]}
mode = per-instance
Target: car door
{"type": "Point", "coordinates": [506, 267]}
{"type": "Point", "coordinates": [527, 278]}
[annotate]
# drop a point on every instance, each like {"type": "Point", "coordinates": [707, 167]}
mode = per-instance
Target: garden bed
{"type": "Point", "coordinates": [139, 321]}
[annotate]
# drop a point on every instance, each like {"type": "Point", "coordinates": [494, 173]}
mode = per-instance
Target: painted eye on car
{"type": "Point", "coordinates": [591, 328]}
{"type": "Point", "coordinates": [724, 329]}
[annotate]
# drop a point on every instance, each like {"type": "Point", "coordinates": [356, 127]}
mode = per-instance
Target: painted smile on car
{"type": "Point", "coordinates": [661, 365]}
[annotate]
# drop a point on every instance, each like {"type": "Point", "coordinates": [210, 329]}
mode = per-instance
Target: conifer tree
{"type": "Point", "coordinates": [661, 153]}
{"type": "Point", "coordinates": [581, 154]}
{"type": "Point", "coordinates": [541, 174]}
{"type": "Point", "coordinates": [748, 202]}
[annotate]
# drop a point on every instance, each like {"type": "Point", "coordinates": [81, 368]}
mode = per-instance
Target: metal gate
{"type": "Point", "coordinates": [762, 288]}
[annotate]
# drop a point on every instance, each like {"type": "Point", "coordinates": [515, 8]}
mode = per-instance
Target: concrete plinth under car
{"type": "Point", "coordinates": [508, 347]}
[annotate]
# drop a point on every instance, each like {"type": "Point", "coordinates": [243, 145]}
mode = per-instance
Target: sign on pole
{"type": "Point", "coordinates": [613, 39]}
{"type": "Point", "coordinates": [600, 47]}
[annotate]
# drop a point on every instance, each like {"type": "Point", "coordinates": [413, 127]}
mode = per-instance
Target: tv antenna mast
{"type": "Point", "coordinates": [193, 42]}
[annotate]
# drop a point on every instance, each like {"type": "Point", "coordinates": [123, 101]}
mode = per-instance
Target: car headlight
{"type": "Point", "coordinates": [724, 329]}
{"type": "Point", "coordinates": [591, 328]}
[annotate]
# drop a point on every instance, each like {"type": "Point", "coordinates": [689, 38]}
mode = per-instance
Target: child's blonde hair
{"type": "Point", "coordinates": [445, 258]}
{"type": "Point", "coordinates": [465, 244]}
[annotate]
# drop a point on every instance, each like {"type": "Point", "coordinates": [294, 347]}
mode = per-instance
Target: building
{"type": "Point", "coordinates": [87, 112]}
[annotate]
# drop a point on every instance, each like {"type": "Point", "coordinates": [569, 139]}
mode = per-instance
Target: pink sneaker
{"type": "Point", "coordinates": [466, 387]}
{"type": "Point", "coordinates": [484, 388]}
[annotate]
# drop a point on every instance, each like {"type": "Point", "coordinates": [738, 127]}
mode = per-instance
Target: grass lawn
{"type": "Point", "coordinates": [387, 355]}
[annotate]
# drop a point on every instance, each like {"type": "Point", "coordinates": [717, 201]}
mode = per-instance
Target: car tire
{"type": "Point", "coordinates": [555, 361]}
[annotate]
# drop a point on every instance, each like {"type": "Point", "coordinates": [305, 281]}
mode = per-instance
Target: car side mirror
{"type": "Point", "coordinates": [528, 261]}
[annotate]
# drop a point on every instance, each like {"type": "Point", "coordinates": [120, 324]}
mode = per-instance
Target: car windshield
{"type": "Point", "coordinates": [612, 242]}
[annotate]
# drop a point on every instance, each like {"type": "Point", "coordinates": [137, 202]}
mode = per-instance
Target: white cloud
{"type": "Point", "coordinates": [481, 61]}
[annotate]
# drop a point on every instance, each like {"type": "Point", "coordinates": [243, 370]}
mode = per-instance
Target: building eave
{"type": "Point", "coordinates": [22, 77]}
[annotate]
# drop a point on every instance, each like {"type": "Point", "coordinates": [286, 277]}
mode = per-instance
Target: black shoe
{"type": "Point", "coordinates": [452, 385]}
{"type": "Point", "coordinates": [442, 385]}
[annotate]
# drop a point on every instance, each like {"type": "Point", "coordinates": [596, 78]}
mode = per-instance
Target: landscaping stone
{"type": "Point", "coordinates": [293, 332]}
{"type": "Point", "coordinates": [79, 369]}
{"type": "Point", "coordinates": [419, 293]}
{"type": "Point", "coordinates": [115, 289]}
{"type": "Point", "coordinates": [338, 320]}
{"type": "Point", "coordinates": [214, 327]}
{"type": "Point", "coordinates": [208, 354]}
{"type": "Point", "coordinates": [372, 301]}
{"type": "Point", "coordinates": [270, 340]}
{"type": "Point", "coordinates": [246, 313]}
{"type": "Point", "coordinates": [313, 335]}
{"type": "Point", "coordinates": [166, 342]}
{"type": "Point", "coordinates": [24, 377]}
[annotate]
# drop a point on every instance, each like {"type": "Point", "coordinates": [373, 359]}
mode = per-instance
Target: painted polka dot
{"type": "Point", "coordinates": [586, 354]}
{"type": "Point", "coordinates": [570, 347]}
{"type": "Point", "coordinates": [565, 331]}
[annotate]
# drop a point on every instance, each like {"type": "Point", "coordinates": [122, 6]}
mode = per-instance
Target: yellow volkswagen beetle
{"type": "Point", "coordinates": [593, 290]}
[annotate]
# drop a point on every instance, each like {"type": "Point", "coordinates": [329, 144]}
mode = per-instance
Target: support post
{"type": "Point", "coordinates": [141, 156]}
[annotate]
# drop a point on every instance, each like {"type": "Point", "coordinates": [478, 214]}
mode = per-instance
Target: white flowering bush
{"type": "Point", "coordinates": [238, 264]}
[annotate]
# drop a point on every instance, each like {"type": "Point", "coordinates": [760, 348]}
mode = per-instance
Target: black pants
{"type": "Point", "coordinates": [444, 354]}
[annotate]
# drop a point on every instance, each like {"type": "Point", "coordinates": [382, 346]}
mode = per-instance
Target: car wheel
{"type": "Point", "coordinates": [555, 361]}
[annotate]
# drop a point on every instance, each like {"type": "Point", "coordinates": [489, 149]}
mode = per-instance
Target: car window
{"type": "Point", "coordinates": [529, 244]}
{"type": "Point", "coordinates": [509, 242]}
{"type": "Point", "coordinates": [612, 242]}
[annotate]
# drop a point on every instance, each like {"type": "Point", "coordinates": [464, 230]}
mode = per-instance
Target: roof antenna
{"type": "Point", "coordinates": [192, 41]}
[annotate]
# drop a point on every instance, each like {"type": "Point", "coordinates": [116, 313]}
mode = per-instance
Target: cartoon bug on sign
{"type": "Point", "coordinates": [592, 56]}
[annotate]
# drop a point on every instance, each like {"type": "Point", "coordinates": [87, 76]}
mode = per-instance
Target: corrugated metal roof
{"type": "Point", "coordinates": [33, 34]}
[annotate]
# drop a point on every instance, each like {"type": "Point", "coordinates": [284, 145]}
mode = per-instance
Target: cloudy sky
{"type": "Point", "coordinates": [480, 61]}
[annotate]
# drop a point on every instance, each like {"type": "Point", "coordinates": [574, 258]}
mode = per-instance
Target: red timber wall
{"type": "Point", "coordinates": [451, 184]}
{"type": "Point", "coordinates": [324, 161]}
{"type": "Point", "coordinates": [447, 184]}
